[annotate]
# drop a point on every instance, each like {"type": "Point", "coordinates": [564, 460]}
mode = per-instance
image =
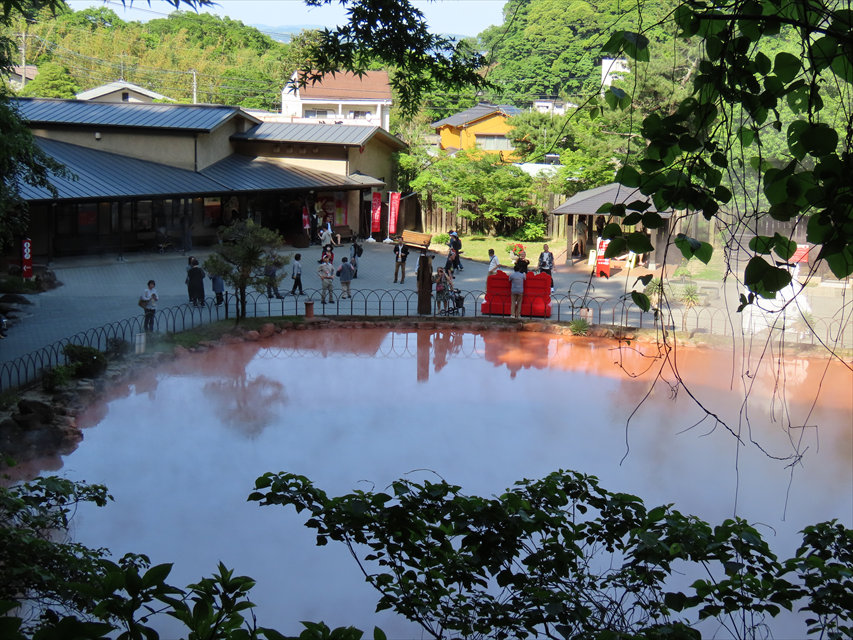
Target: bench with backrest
{"type": "Point", "coordinates": [416, 239]}
{"type": "Point", "coordinates": [342, 232]}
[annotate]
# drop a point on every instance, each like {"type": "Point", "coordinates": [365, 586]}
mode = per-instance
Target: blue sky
{"type": "Point", "coordinates": [464, 17]}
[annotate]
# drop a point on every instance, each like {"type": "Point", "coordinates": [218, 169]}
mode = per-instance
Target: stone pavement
{"type": "Point", "coordinates": [97, 290]}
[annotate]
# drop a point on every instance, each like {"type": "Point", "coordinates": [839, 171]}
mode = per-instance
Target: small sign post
{"type": "Point", "coordinates": [26, 258]}
{"type": "Point", "coordinates": [602, 264]}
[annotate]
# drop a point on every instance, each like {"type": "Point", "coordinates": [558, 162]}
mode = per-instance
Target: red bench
{"type": "Point", "coordinates": [536, 301]}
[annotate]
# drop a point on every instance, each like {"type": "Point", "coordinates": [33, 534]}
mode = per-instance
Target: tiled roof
{"type": "Point", "coordinates": [245, 173]}
{"type": "Point", "coordinates": [476, 113]}
{"type": "Point", "coordinates": [372, 86]}
{"type": "Point", "coordinates": [588, 202]}
{"type": "Point", "coordinates": [103, 175]}
{"type": "Point", "coordinates": [338, 134]}
{"type": "Point", "coordinates": [120, 85]}
{"type": "Point", "coordinates": [182, 117]}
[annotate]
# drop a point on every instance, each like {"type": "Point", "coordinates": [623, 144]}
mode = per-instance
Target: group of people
{"type": "Point", "coordinates": [347, 272]}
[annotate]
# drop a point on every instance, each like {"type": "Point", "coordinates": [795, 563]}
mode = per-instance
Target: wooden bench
{"type": "Point", "coordinates": [342, 232]}
{"type": "Point", "coordinates": [416, 239]}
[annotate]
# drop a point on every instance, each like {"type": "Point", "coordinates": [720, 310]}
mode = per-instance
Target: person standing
{"type": "Point", "coordinates": [546, 263]}
{"type": "Point", "coordinates": [494, 263]}
{"type": "Point", "coordinates": [583, 230]}
{"type": "Point", "coordinates": [218, 286]}
{"type": "Point", "coordinates": [355, 252]}
{"type": "Point", "coordinates": [195, 284]}
{"type": "Point", "coordinates": [271, 274]}
{"type": "Point", "coordinates": [296, 274]}
{"type": "Point", "coordinates": [456, 245]}
{"type": "Point", "coordinates": [443, 288]}
{"type": "Point", "coordinates": [325, 236]}
{"type": "Point", "coordinates": [327, 280]}
{"type": "Point", "coordinates": [516, 290]}
{"type": "Point", "coordinates": [522, 262]}
{"type": "Point", "coordinates": [401, 252]}
{"type": "Point", "coordinates": [346, 274]}
{"type": "Point", "coordinates": [149, 297]}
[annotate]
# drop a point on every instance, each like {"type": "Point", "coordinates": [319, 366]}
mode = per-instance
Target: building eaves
{"type": "Point", "coordinates": [309, 133]}
{"type": "Point", "coordinates": [100, 175]}
{"type": "Point", "coordinates": [247, 173]}
{"type": "Point", "coordinates": [109, 176]}
{"type": "Point", "coordinates": [475, 113]}
{"type": "Point", "coordinates": [37, 112]}
{"type": "Point", "coordinates": [588, 202]}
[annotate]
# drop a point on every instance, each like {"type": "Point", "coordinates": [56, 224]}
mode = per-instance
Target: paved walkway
{"type": "Point", "coordinates": [99, 290]}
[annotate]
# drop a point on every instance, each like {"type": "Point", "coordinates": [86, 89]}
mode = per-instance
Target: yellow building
{"type": "Point", "coordinates": [481, 127]}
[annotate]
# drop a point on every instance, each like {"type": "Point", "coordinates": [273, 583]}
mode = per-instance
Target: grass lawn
{"type": "Point", "coordinates": [477, 248]}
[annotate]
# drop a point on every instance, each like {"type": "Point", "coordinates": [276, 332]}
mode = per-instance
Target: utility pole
{"type": "Point", "coordinates": [195, 86]}
{"type": "Point", "coordinates": [24, 55]}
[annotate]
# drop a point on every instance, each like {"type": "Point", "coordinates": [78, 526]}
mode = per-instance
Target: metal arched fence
{"type": "Point", "coordinates": [116, 337]}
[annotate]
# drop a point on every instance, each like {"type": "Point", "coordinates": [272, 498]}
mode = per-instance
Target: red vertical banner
{"type": "Point", "coordinates": [393, 212]}
{"type": "Point", "coordinates": [27, 258]}
{"type": "Point", "coordinates": [376, 213]}
{"type": "Point", "coordinates": [306, 222]}
{"type": "Point", "coordinates": [602, 264]}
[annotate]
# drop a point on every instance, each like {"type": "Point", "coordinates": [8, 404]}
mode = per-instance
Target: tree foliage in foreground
{"type": "Point", "coordinates": [562, 557]}
{"type": "Point", "coordinates": [244, 250]}
{"type": "Point", "coordinates": [51, 589]}
{"type": "Point", "coordinates": [708, 155]}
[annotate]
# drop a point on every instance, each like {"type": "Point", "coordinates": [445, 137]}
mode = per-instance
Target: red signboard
{"type": "Point", "coordinates": [393, 211]}
{"type": "Point", "coordinates": [602, 264]}
{"type": "Point", "coordinates": [27, 258]}
{"type": "Point", "coordinates": [306, 222]}
{"type": "Point", "coordinates": [376, 213]}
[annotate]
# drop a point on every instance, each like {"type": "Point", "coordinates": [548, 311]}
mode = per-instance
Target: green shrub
{"type": "Point", "coordinates": [90, 363]}
{"type": "Point", "coordinates": [59, 376]}
{"type": "Point", "coordinates": [440, 238]}
{"type": "Point", "coordinates": [579, 327]}
{"type": "Point", "coordinates": [117, 347]}
{"type": "Point", "coordinates": [9, 399]}
{"type": "Point", "coordinates": [16, 284]}
{"type": "Point", "coordinates": [531, 232]}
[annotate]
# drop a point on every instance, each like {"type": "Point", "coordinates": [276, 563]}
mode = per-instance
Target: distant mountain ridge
{"type": "Point", "coordinates": [284, 33]}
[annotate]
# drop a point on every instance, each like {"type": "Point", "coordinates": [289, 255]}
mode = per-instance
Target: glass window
{"type": "Point", "coordinates": [316, 113]}
{"type": "Point", "coordinates": [143, 220]}
{"type": "Point", "coordinates": [494, 143]}
{"type": "Point", "coordinates": [87, 219]}
{"type": "Point", "coordinates": [212, 212]}
{"type": "Point", "coordinates": [362, 115]}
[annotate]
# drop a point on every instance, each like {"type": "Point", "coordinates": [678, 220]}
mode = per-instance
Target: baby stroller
{"type": "Point", "coordinates": [455, 304]}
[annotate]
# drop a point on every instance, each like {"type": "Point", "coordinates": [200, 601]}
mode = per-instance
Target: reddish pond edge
{"type": "Point", "coordinates": [42, 426]}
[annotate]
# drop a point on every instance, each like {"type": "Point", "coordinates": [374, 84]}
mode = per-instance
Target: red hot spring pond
{"type": "Point", "coordinates": [180, 447]}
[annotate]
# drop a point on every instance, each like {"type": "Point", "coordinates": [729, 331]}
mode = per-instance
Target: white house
{"type": "Point", "coordinates": [343, 98]}
{"type": "Point", "coordinates": [121, 91]}
{"type": "Point", "coordinates": [612, 69]}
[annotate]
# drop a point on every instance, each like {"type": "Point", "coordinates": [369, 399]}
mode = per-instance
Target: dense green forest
{"type": "Point", "coordinates": [230, 62]}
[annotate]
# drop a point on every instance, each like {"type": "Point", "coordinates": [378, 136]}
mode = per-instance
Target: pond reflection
{"type": "Point", "coordinates": [180, 447]}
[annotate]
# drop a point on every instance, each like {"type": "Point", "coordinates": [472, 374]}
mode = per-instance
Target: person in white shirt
{"type": "Point", "coordinates": [494, 263]}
